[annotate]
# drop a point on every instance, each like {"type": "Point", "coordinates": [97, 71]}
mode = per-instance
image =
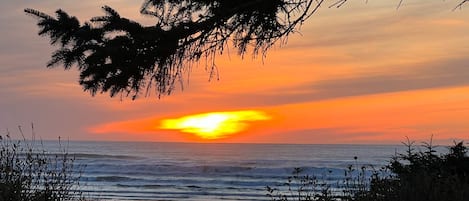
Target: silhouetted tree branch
{"type": "Point", "coordinates": [460, 4]}
{"type": "Point", "coordinates": [121, 56]}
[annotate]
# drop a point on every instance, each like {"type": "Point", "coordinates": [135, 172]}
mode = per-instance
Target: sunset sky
{"type": "Point", "coordinates": [362, 73]}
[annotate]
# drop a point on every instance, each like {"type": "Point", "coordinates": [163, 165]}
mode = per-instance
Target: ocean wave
{"type": "Point", "coordinates": [105, 156]}
{"type": "Point", "coordinates": [146, 186]}
{"type": "Point", "coordinates": [159, 171]}
{"type": "Point", "coordinates": [246, 172]}
{"type": "Point", "coordinates": [173, 194]}
{"type": "Point", "coordinates": [84, 156]}
{"type": "Point", "coordinates": [114, 178]}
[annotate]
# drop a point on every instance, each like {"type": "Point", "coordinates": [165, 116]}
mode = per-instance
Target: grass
{"type": "Point", "coordinates": [29, 173]}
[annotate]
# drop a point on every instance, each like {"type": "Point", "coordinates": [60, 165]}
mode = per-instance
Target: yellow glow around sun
{"type": "Point", "coordinates": [214, 125]}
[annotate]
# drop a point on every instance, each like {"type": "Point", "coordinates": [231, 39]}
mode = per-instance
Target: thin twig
{"type": "Point", "coordinates": [460, 5]}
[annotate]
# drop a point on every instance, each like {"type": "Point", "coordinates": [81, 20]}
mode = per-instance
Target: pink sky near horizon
{"type": "Point", "coordinates": [363, 73]}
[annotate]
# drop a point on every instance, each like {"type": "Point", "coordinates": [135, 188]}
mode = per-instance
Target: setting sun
{"type": "Point", "coordinates": [214, 125]}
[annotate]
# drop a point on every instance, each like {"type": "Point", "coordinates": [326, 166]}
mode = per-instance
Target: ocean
{"type": "Point", "coordinates": [124, 171]}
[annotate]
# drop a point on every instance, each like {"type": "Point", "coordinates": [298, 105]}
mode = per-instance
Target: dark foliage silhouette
{"type": "Point", "coordinates": [123, 57]}
{"type": "Point", "coordinates": [425, 175]}
{"type": "Point", "coordinates": [30, 173]}
{"type": "Point", "coordinates": [422, 175]}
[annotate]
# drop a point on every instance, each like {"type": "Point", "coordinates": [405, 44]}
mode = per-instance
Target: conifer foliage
{"type": "Point", "coordinates": [120, 56]}
{"type": "Point", "coordinates": [123, 57]}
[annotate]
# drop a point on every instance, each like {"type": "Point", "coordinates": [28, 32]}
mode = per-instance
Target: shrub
{"type": "Point", "coordinates": [421, 175]}
{"type": "Point", "coordinates": [29, 173]}
{"type": "Point", "coordinates": [425, 175]}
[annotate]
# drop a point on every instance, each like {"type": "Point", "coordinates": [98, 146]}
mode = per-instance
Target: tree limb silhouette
{"type": "Point", "coordinates": [123, 57]}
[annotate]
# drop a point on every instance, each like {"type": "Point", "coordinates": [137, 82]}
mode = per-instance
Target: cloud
{"type": "Point", "coordinates": [429, 75]}
{"type": "Point", "coordinates": [357, 22]}
{"type": "Point", "coordinates": [322, 135]}
{"type": "Point", "coordinates": [447, 74]}
{"type": "Point", "coordinates": [350, 135]}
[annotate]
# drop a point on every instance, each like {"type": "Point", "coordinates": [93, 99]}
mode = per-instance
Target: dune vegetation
{"type": "Point", "coordinates": [29, 173]}
{"type": "Point", "coordinates": [419, 174]}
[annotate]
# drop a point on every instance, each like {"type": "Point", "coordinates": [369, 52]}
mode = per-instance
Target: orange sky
{"type": "Point", "coordinates": [363, 73]}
